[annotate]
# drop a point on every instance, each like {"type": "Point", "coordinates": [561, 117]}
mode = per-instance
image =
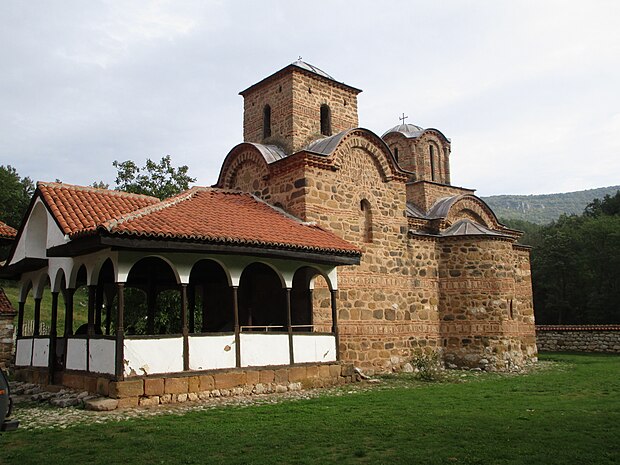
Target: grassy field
{"type": "Point", "coordinates": [565, 413]}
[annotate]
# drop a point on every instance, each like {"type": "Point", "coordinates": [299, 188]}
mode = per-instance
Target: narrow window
{"type": "Point", "coordinates": [396, 153]}
{"type": "Point", "coordinates": [432, 151]}
{"type": "Point", "coordinates": [367, 220]}
{"type": "Point", "coordinates": [326, 120]}
{"type": "Point", "coordinates": [512, 314]}
{"type": "Point", "coordinates": [266, 121]}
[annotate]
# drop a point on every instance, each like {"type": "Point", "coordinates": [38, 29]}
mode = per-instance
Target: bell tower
{"type": "Point", "coordinates": [297, 105]}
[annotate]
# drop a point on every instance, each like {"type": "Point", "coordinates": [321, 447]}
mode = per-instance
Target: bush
{"type": "Point", "coordinates": [428, 365]}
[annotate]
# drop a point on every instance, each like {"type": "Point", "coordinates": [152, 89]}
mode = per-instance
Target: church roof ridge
{"type": "Point", "coordinates": [305, 68]}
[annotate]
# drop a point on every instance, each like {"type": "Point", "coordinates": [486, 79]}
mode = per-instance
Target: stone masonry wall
{"type": "Point", "coordinates": [387, 304]}
{"type": "Point", "coordinates": [7, 328]}
{"type": "Point", "coordinates": [586, 338]}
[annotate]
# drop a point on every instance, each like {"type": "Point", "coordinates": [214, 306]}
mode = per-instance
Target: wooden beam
{"type": "Point", "coordinates": [119, 367]}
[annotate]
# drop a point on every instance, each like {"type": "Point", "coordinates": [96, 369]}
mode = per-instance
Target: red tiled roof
{"type": "Point", "coordinates": [80, 210]}
{"type": "Point", "coordinates": [5, 305]}
{"type": "Point", "coordinates": [226, 217]}
{"type": "Point", "coordinates": [6, 232]}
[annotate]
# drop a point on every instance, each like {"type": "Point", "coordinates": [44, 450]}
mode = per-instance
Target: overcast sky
{"type": "Point", "coordinates": [528, 91]}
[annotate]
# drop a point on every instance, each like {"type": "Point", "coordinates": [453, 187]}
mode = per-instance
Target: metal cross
{"type": "Point", "coordinates": [299, 58]}
{"type": "Point", "coordinates": [403, 118]}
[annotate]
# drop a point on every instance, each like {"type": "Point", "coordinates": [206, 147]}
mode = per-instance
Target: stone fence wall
{"type": "Point", "coordinates": [585, 338]}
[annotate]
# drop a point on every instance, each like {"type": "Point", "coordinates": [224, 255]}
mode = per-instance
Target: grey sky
{"type": "Point", "coordinates": [528, 91]}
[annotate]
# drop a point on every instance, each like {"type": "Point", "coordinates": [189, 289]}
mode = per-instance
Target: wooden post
{"type": "Point", "coordinates": [119, 368]}
{"type": "Point", "coordinates": [53, 334]}
{"type": "Point", "coordinates": [184, 330]}
{"type": "Point", "coordinates": [91, 310]}
{"type": "Point", "coordinates": [92, 290]}
{"type": "Point", "coordinates": [335, 323]}
{"type": "Point", "coordinates": [151, 302]}
{"type": "Point", "coordinates": [237, 328]}
{"type": "Point", "coordinates": [191, 307]}
{"type": "Point", "coordinates": [68, 294]}
{"type": "Point", "coordinates": [20, 319]}
{"type": "Point", "coordinates": [98, 305]}
{"type": "Point", "coordinates": [37, 316]}
{"type": "Point", "coordinates": [289, 326]}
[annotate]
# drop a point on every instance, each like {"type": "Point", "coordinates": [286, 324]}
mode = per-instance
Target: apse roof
{"type": "Point", "coordinates": [467, 227]}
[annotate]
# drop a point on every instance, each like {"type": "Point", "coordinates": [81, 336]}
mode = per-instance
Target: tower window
{"type": "Point", "coordinates": [266, 121]}
{"type": "Point", "coordinates": [326, 120]}
{"type": "Point", "coordinates": [396, 153]}
{"type": "Point", "coordinates": [432, 151]}
{"type": "Point", "coordinates": [366, 220]}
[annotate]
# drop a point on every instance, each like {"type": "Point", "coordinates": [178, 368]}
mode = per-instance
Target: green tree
{"type": "Point", "coordinates": [160, 180]}
{"type": "Point", "coordinates": [15, 194]}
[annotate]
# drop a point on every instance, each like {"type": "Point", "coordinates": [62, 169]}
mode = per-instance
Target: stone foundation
{"type": "Point", "coordinates": [166, 389]}
{"type": "Point", "coordinates": [586, 338]}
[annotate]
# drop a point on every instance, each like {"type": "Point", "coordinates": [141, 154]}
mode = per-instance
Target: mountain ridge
{"type": "Point", "coordinates": [545, 208]}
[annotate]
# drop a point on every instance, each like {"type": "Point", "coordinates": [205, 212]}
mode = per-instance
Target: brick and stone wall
{"type": "Point", "coordinates": [295, 98]}
{"type": "Point", "coordinates": [7, 329]}
{"type": "Point", "coordinates": [585, 338]}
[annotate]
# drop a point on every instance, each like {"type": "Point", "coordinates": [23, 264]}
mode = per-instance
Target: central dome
{"type": "Point", "coordinates": [408, 130]}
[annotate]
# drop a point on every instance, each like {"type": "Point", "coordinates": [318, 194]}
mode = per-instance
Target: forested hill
{"type": "Point", "coordinates": [543, 209]}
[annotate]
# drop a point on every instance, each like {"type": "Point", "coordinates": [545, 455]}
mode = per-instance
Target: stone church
{"type": "Point", "coordinates": [438, 270]}
{"type": "Point", "coordinates": [322, 246]}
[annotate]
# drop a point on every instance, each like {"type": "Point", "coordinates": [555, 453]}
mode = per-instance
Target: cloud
{"type": "Point", "coordinates": [526, 90]}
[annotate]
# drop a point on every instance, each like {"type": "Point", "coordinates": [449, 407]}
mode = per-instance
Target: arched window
{"type": "Point", "coordinates": [432, 152]}
{"type": "Point", "coordinates": [266, 121]}
{"type": "Point", "coordinates": [366, 220]}
{"type": "Point", "coordinates": [396, 153]}
{"type": "Point", "coordinates": [326, 120]}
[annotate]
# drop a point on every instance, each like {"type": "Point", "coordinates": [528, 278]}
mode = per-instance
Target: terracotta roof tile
{"type": "Point", "coordinates": [227, 217]}
{"type": "Point", "coordinates": [5, 304]}
{"type": "Point", "coordinates": [80, 210]}
{"type": "Point", "coordinates": [6, 232]}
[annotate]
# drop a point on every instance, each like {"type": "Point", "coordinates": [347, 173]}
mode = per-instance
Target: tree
{"type": "Point", "coordinates": [15, 194]}
{"type": "Point", "coordinates": [576, 265]}
{"type": "Point", "coordinates": [160, 180]}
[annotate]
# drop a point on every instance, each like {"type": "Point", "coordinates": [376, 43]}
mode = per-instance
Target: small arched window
{"type": "Point", "coordinates": [396, 153]}
{"type": "Point", "coordinates": [366, 220]}
{"type": "Point", "coordinates": [266, 121]}
{"type": "Point", "coordinates": [432, 152]}
{"type": "Point", "coordinates": [326, 120]}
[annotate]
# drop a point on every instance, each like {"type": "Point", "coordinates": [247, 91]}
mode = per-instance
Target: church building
{"type": "Point", "coordinates": [322, 246]}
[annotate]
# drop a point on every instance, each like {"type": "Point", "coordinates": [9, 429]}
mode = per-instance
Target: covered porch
{"type": "Point", "coordinates": [173, 313]}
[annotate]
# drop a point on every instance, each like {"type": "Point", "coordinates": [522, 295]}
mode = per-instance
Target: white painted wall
{"type": "Point", "coordinates": [312, 348]}
{"type": "Point", "coordinates": [76, 354]}
{"type": "Point", "coordinates": [150, 356]}
{"type": "Point", "coordinates": [40, 358]}
{"type": "Point", "coordinates": [264, 349]}
{"type": "Point", "coordinates": [102, 356]}
{"type": "Point", "coordinates": [211, 352]}
{"type": "Point", "coordinates": [23, 352]}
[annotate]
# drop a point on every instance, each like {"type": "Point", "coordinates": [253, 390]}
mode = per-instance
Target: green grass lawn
{"type": "Point", "coordinates": [566, 414]}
